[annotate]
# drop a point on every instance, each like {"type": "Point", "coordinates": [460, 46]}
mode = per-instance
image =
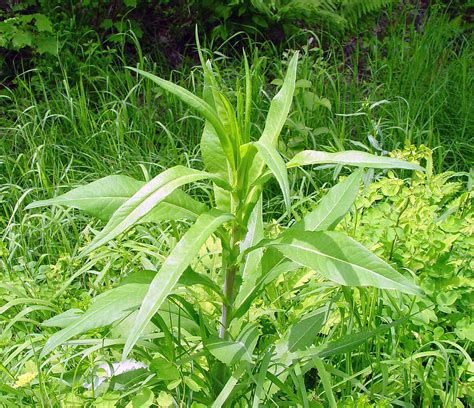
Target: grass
{"type": "Point", "coordinates": [65, 127]}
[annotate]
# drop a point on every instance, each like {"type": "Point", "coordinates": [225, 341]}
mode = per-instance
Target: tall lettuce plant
{"type": "Point", "coordinates": [239, 161]}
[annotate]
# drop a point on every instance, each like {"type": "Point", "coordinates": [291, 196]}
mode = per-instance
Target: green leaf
{"type": "Point", "coordinates": [229, 385]}
{"type": "Point", "coordinates": [47, 44]}
{"type": "Point", "coordinates": [100, 198]}
{"type": "Point", "coordinates": [276, 118]}
{"type": "Point", "coordinates": [130, 3]}
{"type": "Point", "coordinates": [273, 264]}
{"type": "Point", "coordinates": [144, 201]}
{"type": "Point", "coordinates": [190, 278]}
{"type": "Point", "coordinates": [164, 370]}
{"type": "Point", "coordinates": [173, 267]}
{"type": "Point", "coordinates": [215, 162]}
{"type": "Point", "coordinates": [280, 106]}
{"type": "Point", "coordinates": [342, 260]}
{"type": "Point", "coordinates": [22, 39]}
{"type": "Point", "coordinates": [275, 163]}
{"type": "Point", "coordinates": [105, 309]}
{"type": "Point", "coordinates": [252, 267]}
{"type": "Point", "coordinates": [212, 153]}
{"type": "Point", "coordinates": [347, 343]}
{"type": "Point", "coordinates": [64, 319]}
{"type": "Point", "coordinates": [326, 380]}
{"type": "Point", "coordinates": [143, 399]}
{"type": "Point", "coordinates": [303, 333]}
{"type": "Point", "coordinates": [103, 197]}
{"type": "Point", "coordinates": [226, 351]}
{"type": "Point", "coordinates": [332, 207]}
{"type": "Point", "coordinates": [43, 23]}
{"type": "Point", "coordinates": [351, 158]}
{"type": "Point", "coordinates": [197, 104]}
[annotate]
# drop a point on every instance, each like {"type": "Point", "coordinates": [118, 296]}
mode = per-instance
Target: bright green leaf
{"type": "Point", "coordinates": [144, 201]}
{"type": "Point", "coordinates": [275, 163]}
{"type": "Point", "coordinates": [170, 272]}
{"type": "Point", "coordinates": [350, 158]}
{"type": "Point", "coordinates": [105, 309]}
{"type": "Point", "coordinates": [103, 197]}
{"type": "Point", "coordinates": [342, 260]}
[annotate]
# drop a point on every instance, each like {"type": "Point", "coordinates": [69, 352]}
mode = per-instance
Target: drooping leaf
{"type": "Point", "coordinates": [332, 207]}
{"type": "Point", "coordinates": [106, 309]}
{"type": "Point", "coordinates": [197, 104]}
{"type": "Point", "coordinates": [103, 197]}
{"type": "Point", "coordinates": [342, 260]}
{"type": "Point", "coordinates": [144, 201]}
{"type": "Point", "coordinates": [275, 163]}
{"type": "Point", "coordinates": [350, 158]}
{"type": "Point", "coordinates": [173, 267]}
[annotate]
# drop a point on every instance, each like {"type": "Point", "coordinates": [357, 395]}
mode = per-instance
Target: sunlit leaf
{"type": "Point", "coordinates": [342, 260]}
{"type": "Point", "coordinates": [173, 267]}
{"type": "Point", "coordinates": [144, 201]}
{"type": "Point", "coordinates": [350, 158]}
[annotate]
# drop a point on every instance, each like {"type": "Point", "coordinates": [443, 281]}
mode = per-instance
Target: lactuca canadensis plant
{"type": "Point", "coordinates": [239, 163]}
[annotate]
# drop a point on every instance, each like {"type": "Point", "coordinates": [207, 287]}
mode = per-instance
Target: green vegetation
{"type": "Point", "coordinates": [197, 225]}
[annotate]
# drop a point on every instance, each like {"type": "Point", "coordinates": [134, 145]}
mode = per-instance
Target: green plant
{"type": "Point", "coordinates": [239, 169]}
{"type": "Point", "coordinates": [425, 224]}
{"type": "Point", "coordinates": [28, 30]}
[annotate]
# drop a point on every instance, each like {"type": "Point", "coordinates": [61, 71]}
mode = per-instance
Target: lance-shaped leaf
{"type": "Point", "coordinates": [144, 201]}
{"type": "Point", "coordinates": [275, 163]}
{"type": "Point", "coordinates": [197, 104]}
{"type": "Point", "coordinates": [332, 207]}
{"type": "Point", "coordinates": [106, 309]}
{"type": "Point", "coordinates": [327, 214]}
{"type": "Point", "coordinates": [100, 198]}
{"type": "Point", "coordinates": [252, 267]}
{"type": "Point", "coordinates": [215, 162]}
{"type": "Point", "coordinates": [347, 343]}
{"type": "Point", "coordinates": [280, 105]}
{"type": "Point", "coordinates": [276, 118]}
{"type": "Point", "coordinates": [351, 158]}
{"type": "Point", "coordinates": [342, 260]}
{"type": "Point", "coordinates": [170, 272]}
{"type": "Point", "coordinates": [103, 197]}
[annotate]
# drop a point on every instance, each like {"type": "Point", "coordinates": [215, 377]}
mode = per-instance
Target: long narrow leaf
{"type": "Point", "coordinates": [342, 260]}
{"type": "Point", "coordinates": [144, 201]}
{"type": "Point", "coordinates": [333, 206]}
{"type": "Point", "coordinates": [175, 264]}
{"type": "Point", "coordinates": [280, 105]}
{"type": "Point", "coordinates": [196, 103]}
{"type": "Point", "coordinates": [106, 309]}
{"type": "Point", "coordinates": [351, 158]}
{"type": "Point", "coordinates": [275, 163]}
{"type": "Point", "coordinates": [103, 197]}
